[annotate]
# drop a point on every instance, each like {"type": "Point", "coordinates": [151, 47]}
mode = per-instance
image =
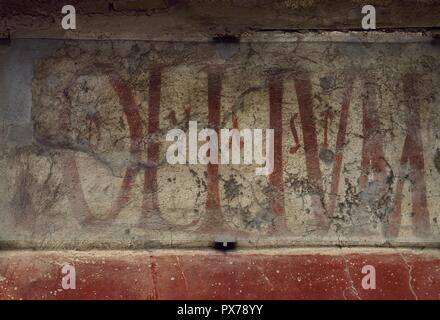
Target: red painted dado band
{"type": "Point", "coordinates": [243, 274]}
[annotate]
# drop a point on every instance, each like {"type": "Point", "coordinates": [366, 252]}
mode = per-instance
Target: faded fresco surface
{"type": "Point", "coordinates": [357, 144]}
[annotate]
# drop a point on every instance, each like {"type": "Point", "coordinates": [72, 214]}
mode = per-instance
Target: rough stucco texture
{"type": "Point", "coordinates": [356, 143]}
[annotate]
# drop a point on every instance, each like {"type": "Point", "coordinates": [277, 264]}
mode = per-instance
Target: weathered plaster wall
{"type": "Point", "coordinates": [83, 119]}
{"type": "Point", "coordinates": [200, 19]}
{"type": "Point", "coordinates": [356, 143]}
{"type": "Point", "coordinates": [250, 274]}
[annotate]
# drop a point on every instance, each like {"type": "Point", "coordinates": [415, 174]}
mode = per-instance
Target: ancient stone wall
{"type": "Point", "coordinates": [84, 116]}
